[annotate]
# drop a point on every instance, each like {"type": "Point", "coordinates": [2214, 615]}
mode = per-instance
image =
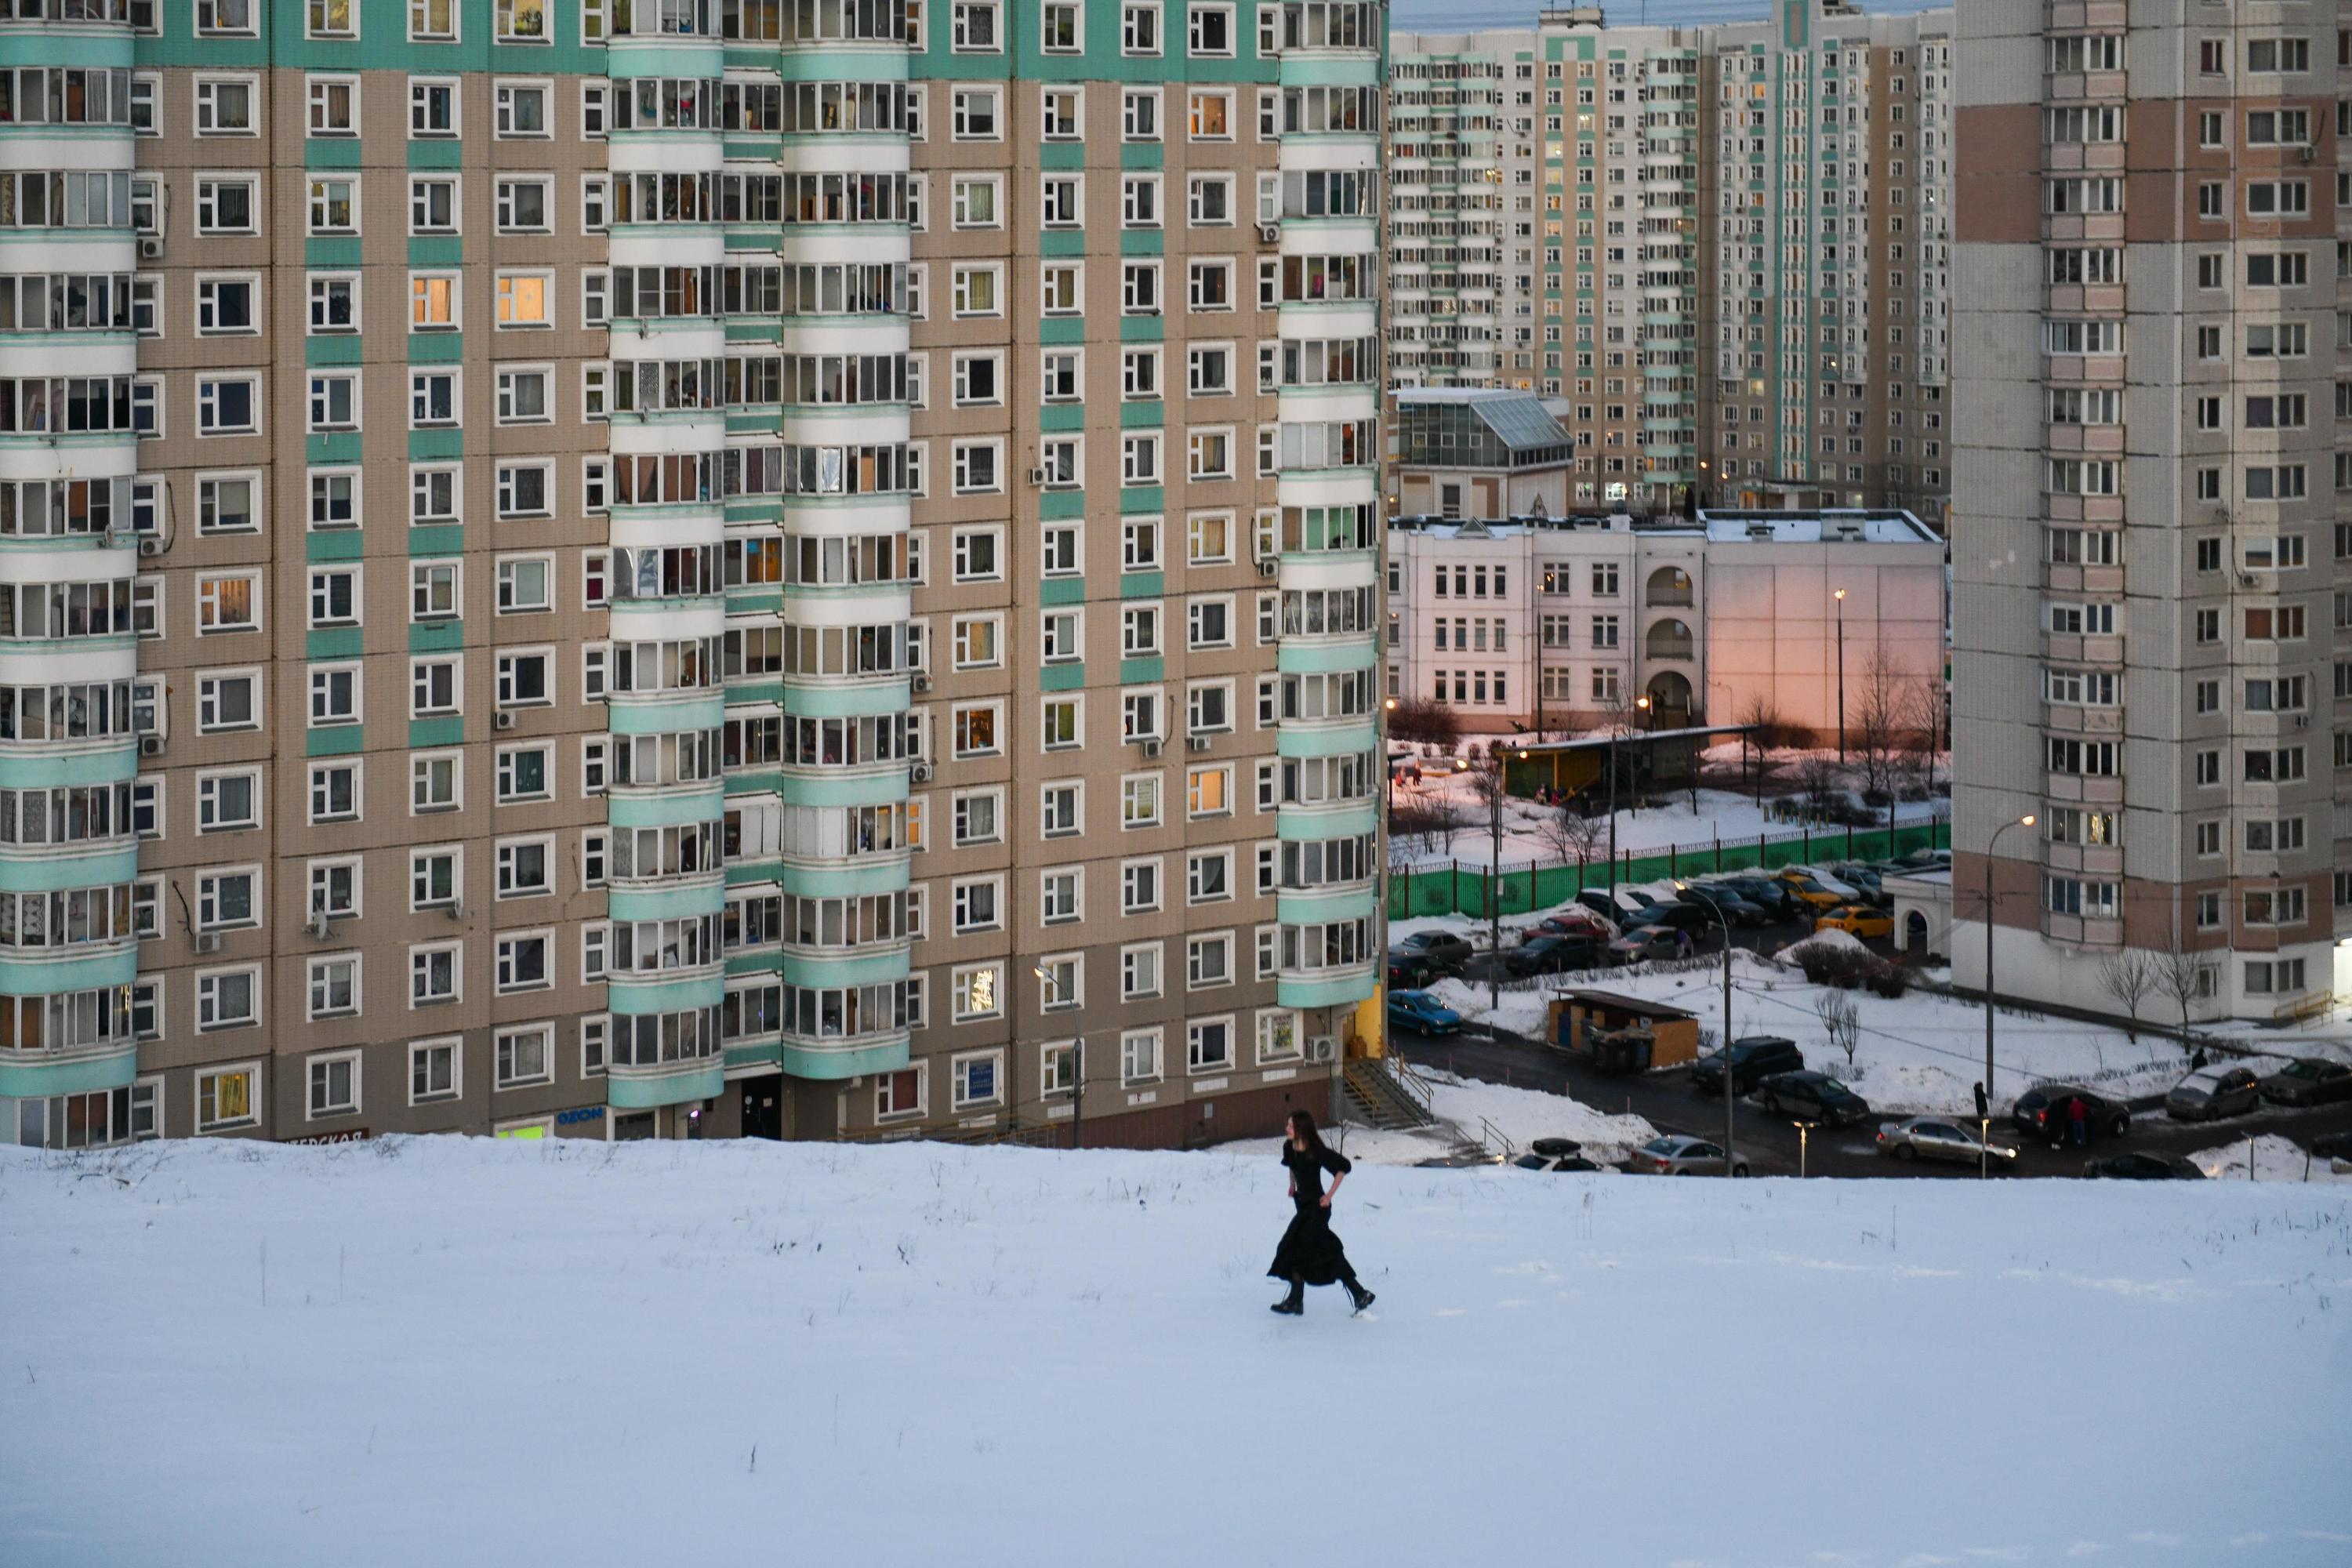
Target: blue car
{"type": "Point", "coordinates": [1422, 1013]}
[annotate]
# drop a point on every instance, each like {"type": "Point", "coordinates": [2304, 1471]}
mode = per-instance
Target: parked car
{"type": "Point", "coordinates": [1865, 880]}
{"type": "Point", "coordinates": [1552, 955]}
{"type": "Point", "coordinates": [1738, 911]}
{"type": "Point", "coordinates": [1816, 896]}
{"type": "Point", "coordinates": [2308, 1081]}
{"type": "Point", "coordinates": [1674, 1155]}
{"type": "Point", "coordinates": [2140, 1165]}
{"type": "Point", "coordinates": [2209, 1093]}
{"type": "Point", "coordinates": [1860, 920]}
{"type": "Point", "coordinates": [1926, 860]}
{"type": "Point", "coordinates": [1439, 947]}
{"type": "Point", "coordinates": [2042, 1114]}
{"type": "Point", "coordinates": [2332, 1146]}
{"type": "Point", "coordinates": [1608, 909]}
{"type": "Point", "coordinates": [1933, 1138]}
{"type": "Point", "coordinates": [1678, 916]}
{"type": "Point", "coordinates": [1644, 943]}
{"type": "Point", "coordinates": [1422, 1014]}
{"type": "Point", "coordinates": [1812, 1097]}
{"type": "Point", "coordinates": [1769, 894]}
{"type": "Point", "coordinates": [1410, 971]}
{"type": "Point", "coordinates": [1754, 1058]}
{"type": "Point", "coordinates": [1571, 922]}
{"type": "Point", "coordinates": [1846, 891]}
{"type": "Point", "coordinates": [1535, 1162]}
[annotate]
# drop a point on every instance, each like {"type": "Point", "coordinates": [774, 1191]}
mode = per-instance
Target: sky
{"type": "Point", "coordinates": [1469, 15]}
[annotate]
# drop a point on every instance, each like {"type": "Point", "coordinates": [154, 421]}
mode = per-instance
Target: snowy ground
{"type": "Point", "coordinates": [1918, 1052]}
{"type": "Point", "coordinates": [1520, 1115]}
{"type": "Point", "coordinates": [455, 1352]}
{"type": "Point", "coordinates": [2276, 1159]}
{"type": "Point", "coordinates": [1720, 813]}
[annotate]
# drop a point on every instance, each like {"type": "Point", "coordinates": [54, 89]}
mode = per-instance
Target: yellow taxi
{"type": "Point", "coordinates": [1812, 894]}
{"type": "Point", "coordinates": [1860, 920]}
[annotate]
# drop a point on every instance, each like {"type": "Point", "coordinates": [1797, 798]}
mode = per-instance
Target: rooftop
{"type": "Point", "coordinates": [1848, 525]}
{"type": "Point", "coordinates": [1477, 426]}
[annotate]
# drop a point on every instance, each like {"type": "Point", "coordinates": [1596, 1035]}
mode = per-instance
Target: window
{"type": "Point", "coordinates": [1211, 29]}
{"type": "Point", "coordinates": [972, 27]}
{"type": "Point", "coordinates": [224, 105]}
{"type": "Point", "coordinates": [335, 986]}
{"type": "Point", "coordinates": [524, 299]}
{"type": "Point", "coordinates": [225, 205]}
{"type": "Point", "coordinates": [433, 1071]}
{"type": "Point", "coordinates": [227, 803]}
{"type": "Point", "coordinates": [333, 105]}
{"type": "Point", "coordinates": [225, 306]}
{"type": "Point", "coordinates": [1138, 1056]}
{"type": "Point", "coordinates": [977, 992]}
{"type": "Point", "coordinates": [1138, 887]}
{"type": "Point", "coordinates": [228, 1097]}
{"type": "Point", "coordinates": [334, 792]}
{"type": "Point", "coordinates": [228, 700]}
{"type": "Point", "coordinates": [526, 1055]}
{"type": "Point", "coordinates": [227, 999]}
{"type": "Point", "coordinates": [522, 109]}
{"type": "Point", "coordinates": [335, 206]}
{"type": "Point", "coordinates": [523, 396]}
{"type": "Point", "coordinates": [432, 106]}
{"type": "Point", "coordinates": [433, 974]}
{"type": "Point", "coordinates": [1209, 1045]}
{"type": "Point", "coordinates": [228, 405]}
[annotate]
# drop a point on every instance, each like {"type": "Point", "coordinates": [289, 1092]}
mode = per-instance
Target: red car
{"type": "Point", "coordinates": [1576, 923]}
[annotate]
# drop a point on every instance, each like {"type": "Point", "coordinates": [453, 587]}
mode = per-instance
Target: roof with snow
{"type": "Point", "coordinates": [1855, 525]}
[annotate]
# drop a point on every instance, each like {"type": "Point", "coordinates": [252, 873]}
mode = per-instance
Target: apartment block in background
{"type": "Point", "coordinates": [2152, 529]}
{"type": "Point", "coordinates": [617, 568]}
{"type": "Point", "coordinates": [1722, 251]}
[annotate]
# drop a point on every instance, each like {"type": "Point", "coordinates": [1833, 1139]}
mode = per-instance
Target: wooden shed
{"type": "Point", "coordinates": [1675, 1033]}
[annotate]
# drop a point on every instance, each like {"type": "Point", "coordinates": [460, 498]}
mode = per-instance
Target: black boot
{"type": "Point", "coordinates": [1358, 1294]}
{"type": "Point", "coordinates": [1294, 1304]}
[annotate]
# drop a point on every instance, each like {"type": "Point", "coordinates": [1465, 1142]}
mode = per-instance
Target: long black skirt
{"type": "Point", "coordinates": [1310, 1251]}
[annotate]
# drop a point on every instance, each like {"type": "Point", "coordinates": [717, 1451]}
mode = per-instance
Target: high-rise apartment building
{"type": "Point", "coordinates": [642, 567]}
{"type": "Point", "coordinates": [1720, 251]}
{"type": "Point", "coordinates": [2152, 527]}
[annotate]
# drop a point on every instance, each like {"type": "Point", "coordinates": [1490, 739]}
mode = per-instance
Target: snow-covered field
{"type": "Point", "coordinates": [2275, 1158]}
{"type": "Point", "coordinates": [1917, 1052]}
{"type": "Point", "coordinates": [455, 1352]}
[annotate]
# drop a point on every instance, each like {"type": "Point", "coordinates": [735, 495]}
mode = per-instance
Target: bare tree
{"type": "Point", "coordinates": [1819, 780]}
{"type": "Point", "coordinates": [1570, 835]}
{"type": "Point", "coordinates": [1921, 715]}
{"type": "Point", "coordinates": [2130, 975]}
{"type": "Point", "coordinates": [1841, 1021]}
{"type": "Point", "coordinates": [1766, 732]}
{"type": "Point", "coordinates": [1875, 732]}
{"type": "Point", "coordinates": [1416, 720]}
{"type": "Point", "coordinates": [2181, 980]}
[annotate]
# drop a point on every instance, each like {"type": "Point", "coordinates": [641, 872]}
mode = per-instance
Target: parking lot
{"type": "Point", "coordinates": [1772, 1146]}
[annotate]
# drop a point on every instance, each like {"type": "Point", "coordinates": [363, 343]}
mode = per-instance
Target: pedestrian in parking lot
{"type": "Point", "coordinates": [2078, 1122]}
{"type": "Point", "coordinates": [1682, 943]}
{"type": "Point", "coordinates": [1310, 1253]}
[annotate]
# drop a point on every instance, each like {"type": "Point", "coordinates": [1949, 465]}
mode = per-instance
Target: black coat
{"type": "Point", "coordinates": [1309, 1248]}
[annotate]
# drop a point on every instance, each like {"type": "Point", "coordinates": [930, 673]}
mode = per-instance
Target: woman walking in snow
{"type": "Point", "coordinates": [1309, 1253]}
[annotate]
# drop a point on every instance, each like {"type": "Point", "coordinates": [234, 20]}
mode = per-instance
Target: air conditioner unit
{"type": "Point", "coordinates": [919, 684]}
{"type": "Point", "coordinates": [919, 772]}
{"type": "Point", "coordinates": [150, 248]}
{"type": "Point", "coordinates": [1322, 1048]}
{"type": "Point", "coordinates": [1267, 233]}
{"type": "Point", "coordinates": [320, 927]}
{"type": "Point", "coordinates": [504, 721]}
{"type": "Point", "coordinates": [208, 942]}
{"type": "Point", "coordinates": [2248, 580]}
{"type": "Point", "coordinates": [151, 546]}
{"type": "Point", "coordinates": [1152, 748]}
{"type": "Point", "coordinates": [1036, 476]}
{"type": "Point", "coordinates": [151, 745]}
{"type": "Point", "coordinates": [456, 910]}
{"type": "Point", "coordinates": [1267, 565]}
{"type": "Point", "coordinates": [1198, 743]}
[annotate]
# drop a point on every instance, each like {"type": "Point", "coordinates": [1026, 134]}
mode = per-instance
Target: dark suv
{"type": "Point", "coordinates": [1812, 1097]}
{"type": "Point", "coordinates": [1754, 1058]}
{"type": "Point", "coordinates": [2042, 1114]}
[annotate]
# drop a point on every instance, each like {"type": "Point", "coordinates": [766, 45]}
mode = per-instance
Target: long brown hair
{"type": "Point", "coordinates": [1302, 1126]}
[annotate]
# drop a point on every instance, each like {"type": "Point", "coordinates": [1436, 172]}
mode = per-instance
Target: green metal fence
{"type": "Point", "coordinates": [1454, 888]}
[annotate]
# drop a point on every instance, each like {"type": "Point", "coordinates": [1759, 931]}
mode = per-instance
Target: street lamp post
{"type": "Point", "coordinates": [1984, 1155]}
{"type": "Point", "coordinates": [1730, 1114]}
{"type": "Point", "coordinates": [1841, 618]}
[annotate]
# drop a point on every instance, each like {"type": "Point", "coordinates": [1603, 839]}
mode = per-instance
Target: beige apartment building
{"type": "Point", "coordinates": [2153, 508]}
{"type": "Point", "coordinates": [1724, 247]}
{"type": "Point", "coordinates": [602, 568]}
